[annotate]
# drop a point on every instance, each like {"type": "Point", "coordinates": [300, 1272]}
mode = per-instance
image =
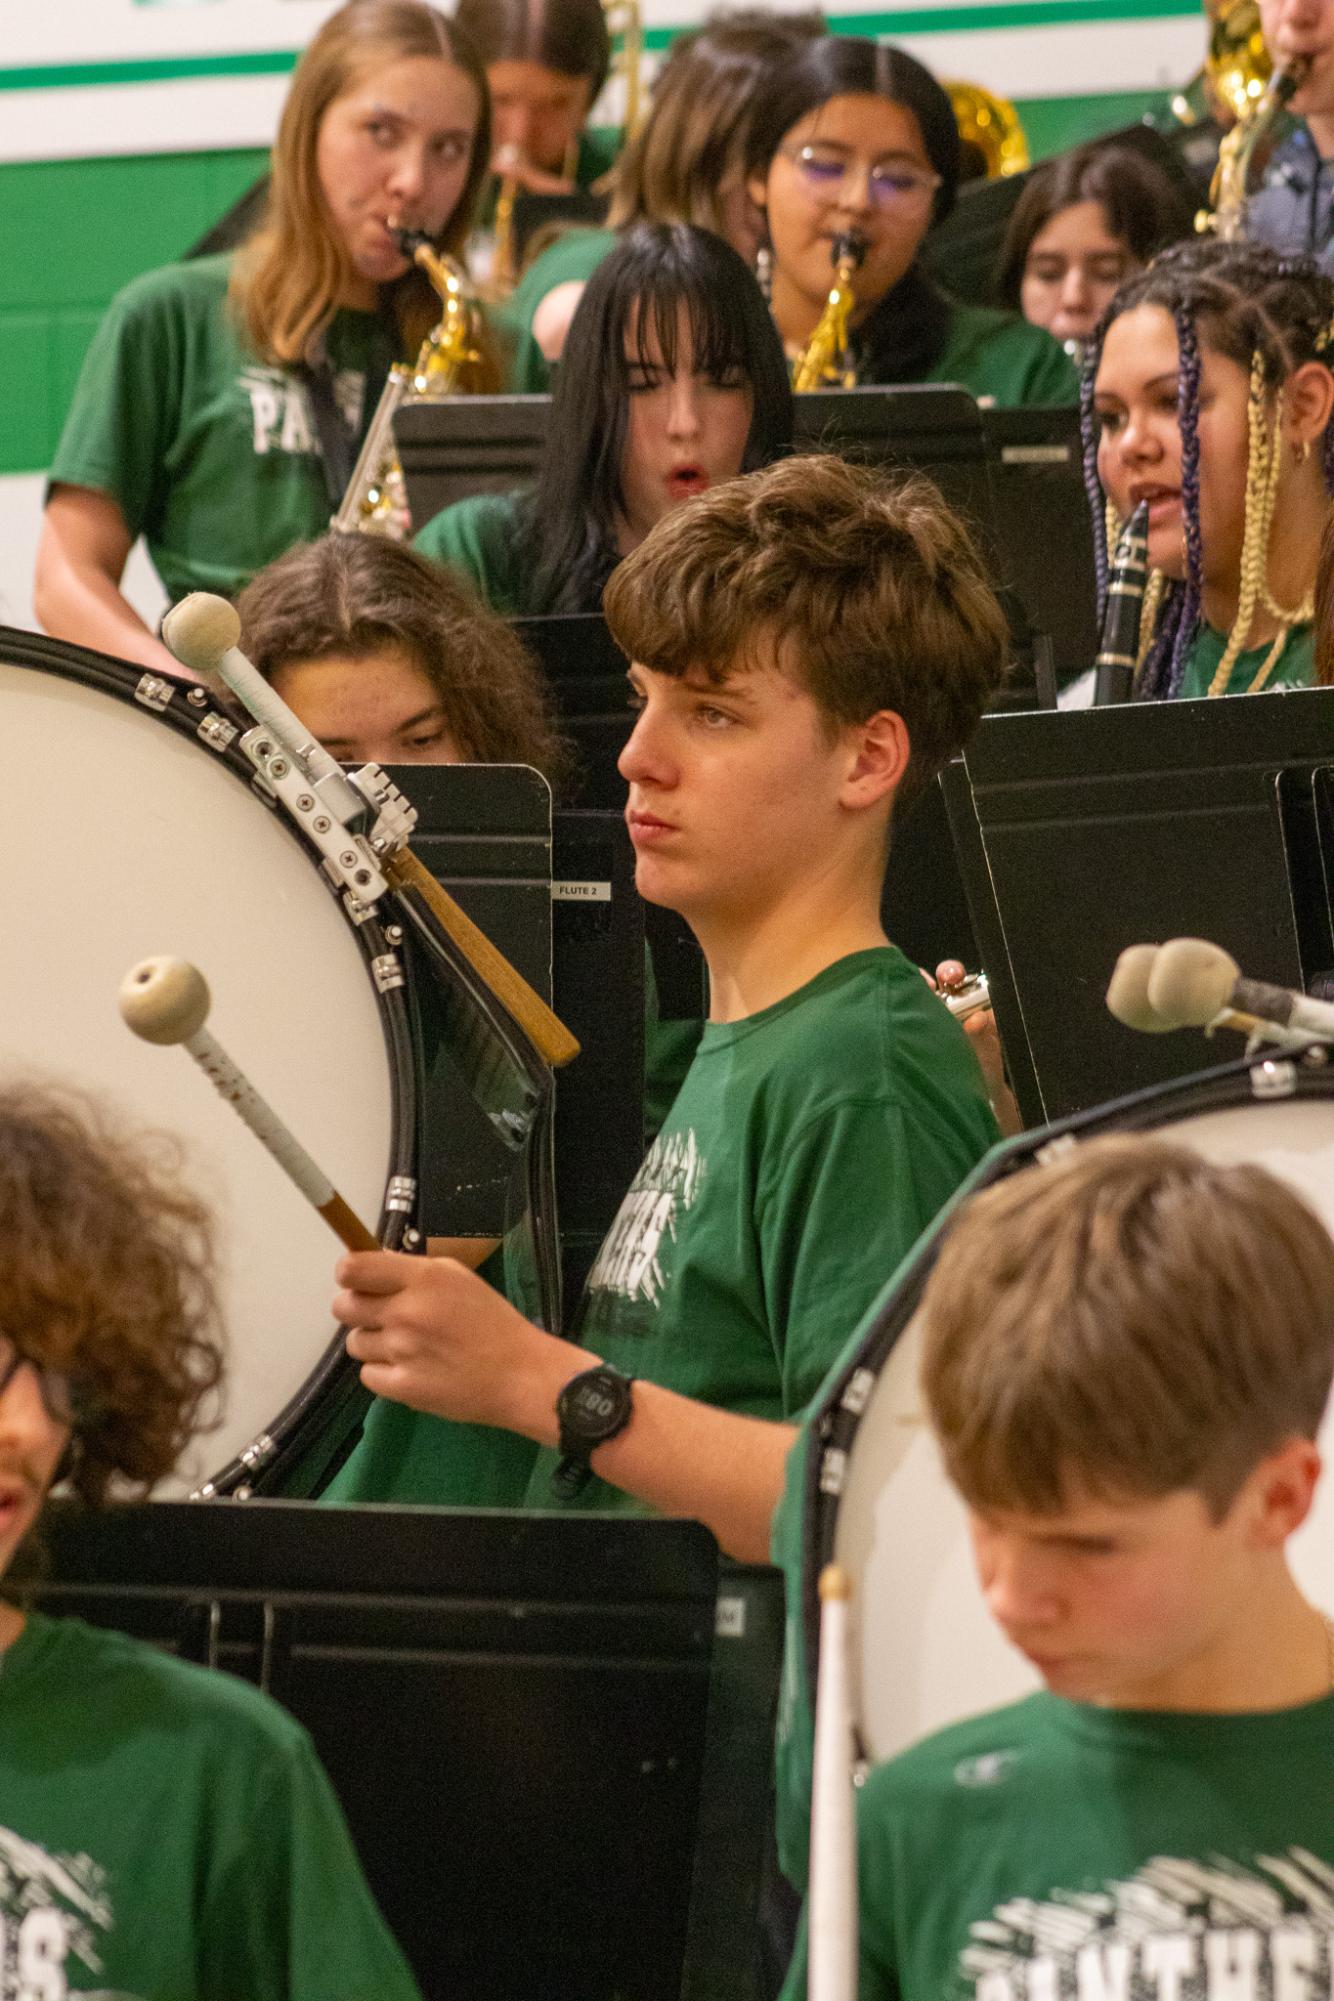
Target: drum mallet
{"type": "Point", "coordinates": [833, 1914]}
{"type": "Point", "coordinates": [202, 631]}
{"type": "Point", "coordinates": [1190, 983]}
{"type": "Point", "coordinates": [166, 1001]}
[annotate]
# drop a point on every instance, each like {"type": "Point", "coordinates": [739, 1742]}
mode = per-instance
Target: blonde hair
{"type": "Point", "coordinates": [288, 277]}
{"type": "Point", "coordinates": [1129, 1320]}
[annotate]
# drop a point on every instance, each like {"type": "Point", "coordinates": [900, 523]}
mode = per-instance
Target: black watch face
{"type": "Point", "coordinates": [593, 1405]}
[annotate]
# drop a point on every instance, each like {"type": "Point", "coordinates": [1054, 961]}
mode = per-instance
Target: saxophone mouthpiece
{"type": "Point", "coordinates": [409, 241]}
{"type": "Point", "coordinates": [1289, 80]}
{"type": "Point", "coordinates": [850, 248]}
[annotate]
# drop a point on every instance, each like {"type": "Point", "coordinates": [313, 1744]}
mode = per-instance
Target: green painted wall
{"type": "Point", "coordinates": [73, 231]}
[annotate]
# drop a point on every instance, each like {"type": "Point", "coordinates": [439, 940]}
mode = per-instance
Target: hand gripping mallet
{"type": "Point", "coordinates": [166, 1001]}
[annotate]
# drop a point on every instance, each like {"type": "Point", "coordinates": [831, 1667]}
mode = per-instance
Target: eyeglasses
{"type": "Point", "coordinates": [59, 1399]}
{"type": "Point", "coordinates": [890, 185]}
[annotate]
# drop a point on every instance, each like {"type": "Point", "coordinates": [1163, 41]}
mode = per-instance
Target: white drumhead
{"type": "Point", "coordinates": [925, 1653]}
{"type": "Point", "coordinates": [121, 839]}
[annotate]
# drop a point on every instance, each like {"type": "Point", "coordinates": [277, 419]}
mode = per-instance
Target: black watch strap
{"type": "Point", "coordinates": [594, 1406]}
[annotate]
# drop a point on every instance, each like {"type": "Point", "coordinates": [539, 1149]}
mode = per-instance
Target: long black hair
{"type": "Point", "coordinates": [1244, 300]}
{"type": "Point", "coordinates": [907, 332]}
{"type": "Point", "coordinates": [655, 269]}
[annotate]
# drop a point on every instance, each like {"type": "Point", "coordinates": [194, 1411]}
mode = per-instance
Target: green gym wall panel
{"type": "Point", "coordinates": [72, 232]}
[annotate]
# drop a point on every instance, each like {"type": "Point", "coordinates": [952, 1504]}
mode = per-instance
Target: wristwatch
{"type": "Point", "coordinates": [594, 1406]}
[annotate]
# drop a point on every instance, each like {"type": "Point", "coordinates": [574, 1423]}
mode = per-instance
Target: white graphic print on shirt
{"type": "Point", "coordinates": [1178, 1930]}
{"type": "Point", "coordinates": [52, 1909]}
{"type": "Point", "coordinates": [665, 1188]}
{"type": "Point", "coordinates": [280, 409]}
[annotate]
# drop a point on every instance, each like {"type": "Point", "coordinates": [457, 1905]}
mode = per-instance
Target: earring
{"type": "Point", "coordinates": [1302, 452]}
{"type": "Point", "coordinates": [764, 272]}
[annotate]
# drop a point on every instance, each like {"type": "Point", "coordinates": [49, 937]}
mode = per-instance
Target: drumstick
{"type": "Point", "coordinates": [833, 1924]}
{"type": "Point", "coordinates": [202, 631]}
{"type": "Point", "coordinates": [166, 1001]}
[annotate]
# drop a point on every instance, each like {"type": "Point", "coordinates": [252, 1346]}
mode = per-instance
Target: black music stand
{"type": "Point", "coordinates": [1044, 536]}
{"type": "Point", "coordinates": [527, 1719]}
{"type": "Point", "coordinates": [468, 444]}
{"type": "Point", "coordinates": [484, 832]}
{"type": "Point", "coordinates": [1079, 833]}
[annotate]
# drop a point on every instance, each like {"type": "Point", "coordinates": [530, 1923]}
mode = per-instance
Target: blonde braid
{"type": "Point", "coordinates": [1261, 479]}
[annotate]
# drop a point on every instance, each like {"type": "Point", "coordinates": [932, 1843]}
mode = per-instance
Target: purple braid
{"type": "Point", "coordinates": [1152, 681]}
{"type": "Point", "coordinates": [1188, 421]}
{"type": "Point", "coordinates": [1088, 429]}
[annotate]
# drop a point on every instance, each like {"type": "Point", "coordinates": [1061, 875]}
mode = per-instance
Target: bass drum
{"type": "Point", "coordinates": [924, 1650]}
{"type": "Point", "coordinates": [132, 827]}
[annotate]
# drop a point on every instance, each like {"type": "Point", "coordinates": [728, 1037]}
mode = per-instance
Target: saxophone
{"type": "Point", "coordinates": [376, 501]}
{"type": "Point", "coordinates": [1226, 213]}
{"type": "Point", "coordinates": [824, 362]}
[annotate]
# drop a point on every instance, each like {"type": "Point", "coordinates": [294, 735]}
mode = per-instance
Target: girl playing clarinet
{"type": "Point", "coordinates": [1208, 396]}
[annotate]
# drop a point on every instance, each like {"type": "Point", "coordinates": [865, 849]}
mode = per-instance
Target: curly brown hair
{"type": "Point", "coordinates": [357, 594]}
{"type": "Point", "coordinates": [866, 583]}
{"type": "Point", "coordinates": [107, 1276]}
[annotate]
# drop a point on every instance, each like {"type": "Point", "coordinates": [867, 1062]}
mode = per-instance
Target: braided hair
{"type": "Point", "coordinates": [1267, 312]}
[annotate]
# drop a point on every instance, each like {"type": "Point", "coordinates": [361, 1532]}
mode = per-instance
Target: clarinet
{"type": "Point", "coordinates": [1114, 668]}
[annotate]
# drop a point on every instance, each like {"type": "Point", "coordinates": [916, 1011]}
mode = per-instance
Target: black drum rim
{"type": "Point", "coordinates": [295, 1426]}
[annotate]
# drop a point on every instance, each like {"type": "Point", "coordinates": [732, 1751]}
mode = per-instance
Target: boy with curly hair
{"type": "Point", "coordinates": [165, 1830]}
{"type": "Point", "coordinates": [1127, 1355]}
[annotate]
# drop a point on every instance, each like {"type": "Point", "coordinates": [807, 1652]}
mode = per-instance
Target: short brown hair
{"type": "Point", "coordinates": [866, 586]}
{"type": "Point", "coordinates": [107, 1276]}
{"type": "Point", "coordinates": [1131, 1319]}
{"type": "Point", "coordinates": [351, 594]}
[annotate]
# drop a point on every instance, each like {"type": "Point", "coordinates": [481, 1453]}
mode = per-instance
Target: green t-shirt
{"type": "Point", "coordinates": [808, 1146]}
{"type": "Point", "coordinates": [571, 259]}
{"type": "Point", "coordinates": [1295, 667]}
{"type": "Point", "coordinates": [1005, 361]}
{"type": "Point", "coordinates": [414, 1460]}
{"type": "Point", "coordinates": [1055, 1852]}
{"type": "Point", "coordinates": [167, 1834]}
{"type": "Point", "coordinates": [479, 538]}
{"type": "Point", "coordinates": [212, 455]}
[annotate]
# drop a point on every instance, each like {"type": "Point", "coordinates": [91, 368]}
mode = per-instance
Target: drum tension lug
{"type": "Point", "coordinates": [1274, 1078]}
{"type": "Point", "coordinates": [154, 692]}
{"type": "Point", "coordinates": [216, 731]}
